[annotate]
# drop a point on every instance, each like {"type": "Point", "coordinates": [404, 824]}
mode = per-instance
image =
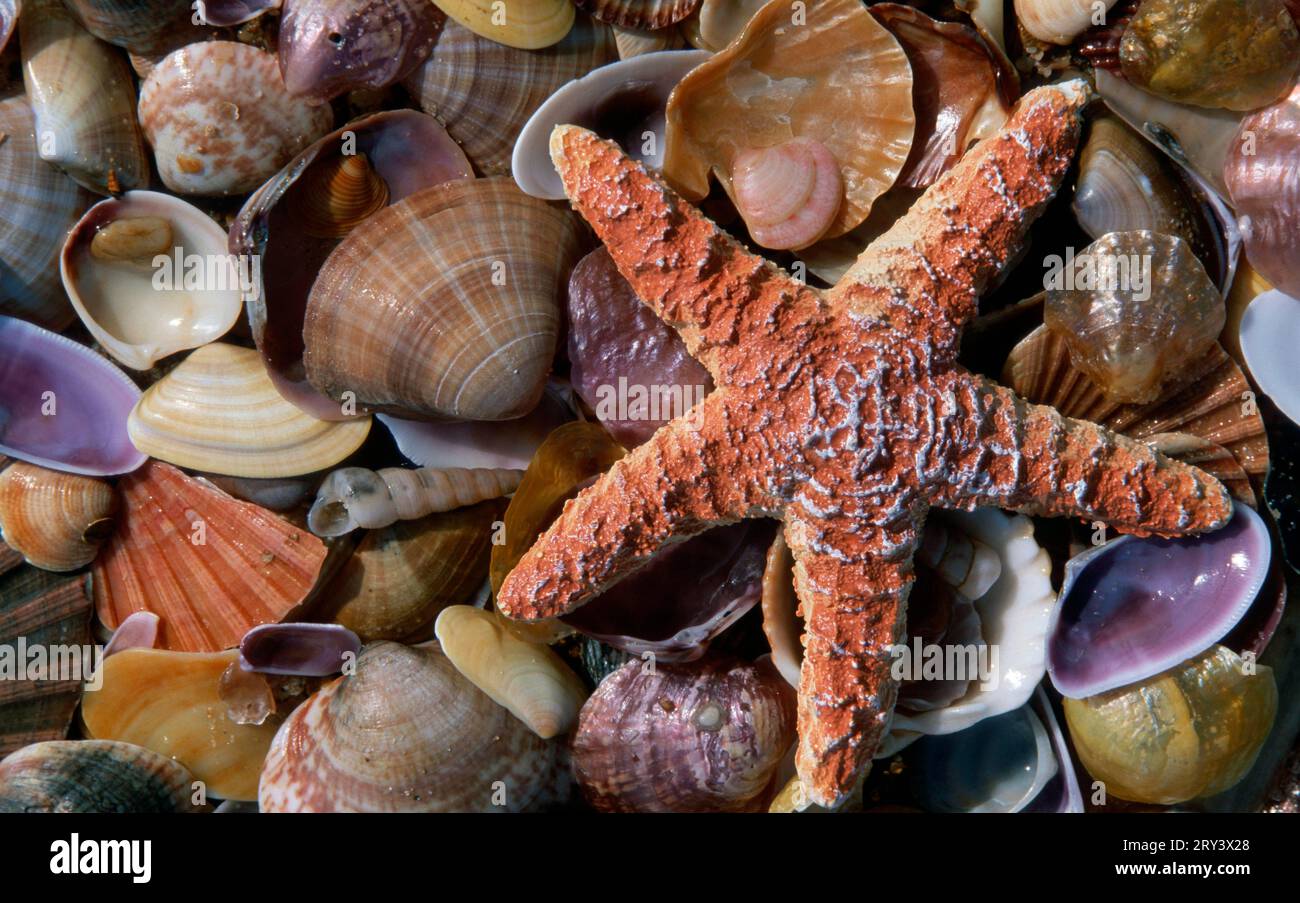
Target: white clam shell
{"type": "Point", "coordinates": [1269, 330]}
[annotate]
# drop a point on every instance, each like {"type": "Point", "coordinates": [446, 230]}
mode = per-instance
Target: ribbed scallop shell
{"type": "Point", "coordinates": [171, 703]}
{"type": "Point", "coordinates": [447, 304]}
{"type": "Point", "coordinates": [141, 26]}
{"type": "Point", "coordinates": [40, 204]}
{"type": "Point", "coordinates": [234, 91]}
{"type": "Point", "coordinates": [407, 733]}
{"type": "Point", "coordinates": [528, 24]}
{"type": "Point", "coordinates": [47, 610]}
{"type": "Point", "coordinates": [93, 776]}
{"type": "Point", "coordinates": [210, 566]}
{"type": "Point", "coordinates": [219, 412]}
{"type": "Point", "coordinates": [649, 14]}
{"type": "Point", "coordinates": [1212, 405]}
{"type": "Point", "coordinates": [778, 82]}
{"type": "Point", "coordinates": [484, 92]}
{"type": "Point", "coordinates": [56, 520]}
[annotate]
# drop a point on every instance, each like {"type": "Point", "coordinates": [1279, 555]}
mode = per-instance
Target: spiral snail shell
{"type": "Point", "coordinates": [354, 497]}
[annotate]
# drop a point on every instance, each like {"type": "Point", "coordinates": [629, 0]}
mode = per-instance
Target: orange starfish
{"type": "Point", "coordinates": [844, 414]}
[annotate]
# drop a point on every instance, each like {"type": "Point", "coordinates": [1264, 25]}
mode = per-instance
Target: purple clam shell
{"type": "Point", "coordinates": [139, 630]}
{"type": "Point", "coordinates": [304, 650]}
{"type": "Point", "coordinates": [688, 594]}
{"type": "Point", "coordinates": [1136, 607]}
{"type": "Point", "coordinates": [63, 406]}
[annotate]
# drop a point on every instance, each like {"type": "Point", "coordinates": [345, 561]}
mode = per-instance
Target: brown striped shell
{"type": "Point", "coordinates": [56, 520]}
{"type": "Point", "coordinates": [484, 92]}
{"type": "Point", "coordinates": [1210, 457]}
{"type": "Point", "coordinates": [93, 776]}
{"type": "Point", "coordinates": [339, 194]}
{"type": "Point", "coordinates": [647, 14]}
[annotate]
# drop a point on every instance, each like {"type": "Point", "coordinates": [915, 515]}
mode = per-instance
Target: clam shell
{"type": "Point", "coordinates": [1062, 792]}
{"type": "Point", "coordinates": [209, 566]}
{"type": "Point", "coordinates": [218, 412]}
{"type": "Point", "coordinates": [134, 315]}
{"type": "Point", "coordinates": [93, 776]}
{"type": "Point", "coordinates": [484, 91]}
{"type": "Point", "coordinates": [63, 406]}
{"type": "Point", "coordinates": [141, 26]}
{"type": "Point", "coordinates": [721, 21]}
{"type": "Point", "coordinates": [446, 305]}
{"type": "Point", "coordinates": [1268, 333]}
{"type": "Point", "coordinates": [777, 83]}
{"type": "Point", "coordinates": [56, 520]}
{"type": "Point", "coordinates": [41, 609]}
{"type": "Point", "coordinates": [701, 737]}
{"type": "Point", "coordinates": [530, 24]}
{"type": "Point", "coordinates": [227, 89]}
{"type": "Point", "coordinates": [8, 19]}
{"type": "Point", "coordinates": [235, 12]}
{"type": "Point", "coordinates": [637, 42]}
{"type": "Point", "coordinates": [310, 650]}
{"type": "Point", "coordinates": [1212, 405]}
{"type": "Point", "coordinates": [1058, 21]}
{"type": "Point", "coordinates": [138, 630]}
{"type": "Point", "coordinates": [781, 622]}
{"type": "Point", "coordinates": [622, 101]}
{"type": "Point", "coordinates": [400, 577]}
{"type": "Point", "coordinates": [40, 205]}
{"type": "Point", "coordinates": [406, 733]}
{"type": "Point", "coordinates": [649, 14]}
{"type": "Point", "coordinates": [405, 149]}
{"type": "Point", "coordinates": [83, 98]}
{"type": "Point", "coordinates": [170, 702]}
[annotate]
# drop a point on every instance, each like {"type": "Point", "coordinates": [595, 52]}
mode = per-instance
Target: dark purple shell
{"type": "Point", "coordinates": [622, 354]}
{"type": "Point", "coordinates": [307, 650]}
{"type": "Point", "coordinates": [1136, 607]}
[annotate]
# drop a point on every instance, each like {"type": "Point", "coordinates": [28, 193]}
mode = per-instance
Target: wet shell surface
{"type": "Point", "coordinates": [529, 24]}
{"type": "Point", "coordinates": [1268, 332]}
{"type": "Point", "coordinates": [209, 566]}
{"type": "Point", "coordinates": [484, 92]}
{"type": "Point", "coordinates": [353, 497]}
{"type": "Point", "coordinates": [219, 412]}
{"type": "Point", "coordinates": [170, 702]}
{"type": "Point", "coordinates": [650, 14]}
{"type": "Point", "coordinates": [208, 135]}
{"type": "Point", "coordinates": [407, 733]}
{"type": "Point", "coordinates": [56, 520]}
{"type": "Point", "coordinates": [148, 274]}
{"type": "Point", "coordinates": [301, 650]}
{"type": "Point", "coordinates": [63, 406]}
{"type": "Point", "coordinates": [719, 22]}
{"type": "Point", "coordinates": [705, 736]}
{"type": "Point", "coordinates": [446, 305]}
{"type": "Point", "coordinates": [93, 776]}
{"type": "Point", "coordinates": [777, 83]}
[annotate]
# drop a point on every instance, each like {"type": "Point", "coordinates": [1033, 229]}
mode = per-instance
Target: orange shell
{"type": "Point", "coordinates": [210, 566]}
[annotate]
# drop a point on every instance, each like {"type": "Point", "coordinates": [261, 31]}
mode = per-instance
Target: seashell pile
{"type": "Point", "coordinates": [429, 406]}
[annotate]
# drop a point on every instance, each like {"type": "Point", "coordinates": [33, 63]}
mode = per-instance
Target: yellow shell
{"type": "Point", "coordinates": [56, 520]}
{"type": "Point", "coordinates": [219, 412]}
{"type": "Point", "coordinates": [526, 24]}
{"type": "Point", "coordinates": [1192, 731]}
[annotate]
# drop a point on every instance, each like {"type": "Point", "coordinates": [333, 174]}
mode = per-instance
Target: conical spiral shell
{"type": "Point", "coordinates": [56, 520]}
{"type": "Point", "coordinates": [93, 776]}
{"type": "Point", "coordinates": [339, 195]}
{"type": "Point", "coordinates": [406, 733]}
{"type": "Point", "coordinates": [447, 304]}
{"type": "Point", "coordinates": [354, 497]}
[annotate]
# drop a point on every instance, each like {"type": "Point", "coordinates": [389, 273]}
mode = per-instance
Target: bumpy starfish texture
{"type": "Point", "coordinates": [844, 414]}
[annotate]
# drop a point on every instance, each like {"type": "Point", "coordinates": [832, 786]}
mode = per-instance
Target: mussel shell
{"type": "Point", "coordinates": [93, 776]}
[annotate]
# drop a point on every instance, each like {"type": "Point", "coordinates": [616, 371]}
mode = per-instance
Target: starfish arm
{"type": "Point", "coordinates": [852, 579]}
{"type": "Point", "coordinates": [1028, 457]}
{"type": "Point", "coordinates": [696, 277]}
{"type": "Point", "coordinates": [935, 261]}
{"type": "Point", "coordinates": [696, 472]}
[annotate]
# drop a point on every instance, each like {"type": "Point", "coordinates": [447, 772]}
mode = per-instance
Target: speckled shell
{"type": "Point", "coordinates": [221, 120]}
{"type": "Point", "coordinates": [170, 702]}
{"type": "Point", "coordinates": [650, 14]}
{"type": "Point", "coordinates": [484, 92]}
{"type": "Point", "coordinates": [407, 733]}
{"type": "Point", "coordinates": [700, 737]}
{"type": "Point", "coordinates": [93, 776]}
{"type": "Point", "coordinates": [40, 204]}
{"type": "Point", "coordinates": [210, 566]}
{"type": "Point", "coordinates": [56, 520]}
{"type": "Point", "coordinates": [83, 97]}
{"type": "Point", "coordinates": [446, 305]}
{"type": "Point", "coordinates": [1211, 406]}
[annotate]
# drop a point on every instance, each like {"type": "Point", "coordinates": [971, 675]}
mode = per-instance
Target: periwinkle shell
{"type": "Point", "coordinates": [1135, 607]}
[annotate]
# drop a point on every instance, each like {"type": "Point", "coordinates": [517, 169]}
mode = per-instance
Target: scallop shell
{"type": "Point", "coordinates": [706, 736]}
{"type": "Point", "coordinates": [529, 25]}
{"type": "Point", "coordinates": [40, 205]}
{"type": "Point", "coordinates": [93, 776]}
{"type": "Point", "coordinates": [398, 578]}
{"type": "Point", "coordinates": [484, 92]}
{"type": "Point", "coordinates": [446, 305]}
{"type": "Point", "coordinates": [1213, 405]}
{"type": "Point", "coordinates": [1059, 21]}
{"type": "Point", "coordinates": [138, 308]}
{"type": "Point", "coordinates": [83, 98]}
{"type": "Point", "coordinates": [530, 680]}
{"type": "Point", "coordinates": [649, 14]}
{"type": "Point", "coordinates": [170, 702]}
{"type": "Point", "coordinates": [141, 26]}
{"type": "Point", "coordinates": [41, 609]}
{"type": "Point", "coordinates": [779, 82]}
{"type": "Point", "coordinates": [406, 733]}
{"type": "Point", "coordinates": [218, 412]}
{"type": "Point", "coordinates": [209, 566]}
{"type": "Point", "coordinates": [208, 89]}
{"type": "Point", "coordinates": [56, 520]}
